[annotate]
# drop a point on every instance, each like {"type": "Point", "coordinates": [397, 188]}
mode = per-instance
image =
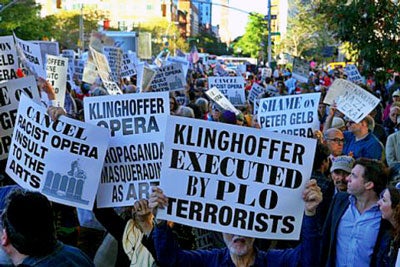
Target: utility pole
{"type": "Point", "coordinates": [269, 51]}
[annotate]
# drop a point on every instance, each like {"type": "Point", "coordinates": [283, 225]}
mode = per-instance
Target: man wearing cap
{"type": "Point", "coordinates": [341, 168]}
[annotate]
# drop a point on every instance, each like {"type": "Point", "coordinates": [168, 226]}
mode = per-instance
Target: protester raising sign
{"type": "Point", "coordinates": [294, 114]}
{"type": "Point", "coordinates": [133, 162]}
{"type": "Point", "coordinates": [57, 69]}
{"type": "Point", "coordinates": [62, 159]}
{"type": "Point", "coordinates": [215, 95]}
{"type": "Point", "coordinates": [235, 179]}
{"type": "Point", "coordinates": [169, 78]}
{"type": "Point", "coordinates": [352, 100]}
{"type": "Point", "coordinates": [8, 58]}
{"type": "Point", "coordinates": [31, 57]}
{"type": "Point", "coordinates": [231, 87]}
{"type": "Point", "coordinates": [10, 93]}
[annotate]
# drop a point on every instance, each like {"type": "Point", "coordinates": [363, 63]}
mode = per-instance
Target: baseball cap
{"type": "Point", "coordinates": [344, 163]}
{"type": "Point", "coordinates": [396, 93]}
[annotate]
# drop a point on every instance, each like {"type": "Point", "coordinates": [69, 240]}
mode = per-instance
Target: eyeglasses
{"type": "Point", "coordinates": [337, 140]}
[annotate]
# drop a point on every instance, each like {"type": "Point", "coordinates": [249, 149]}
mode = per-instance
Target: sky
{"type": "Point", "coordinates": [238, 20]}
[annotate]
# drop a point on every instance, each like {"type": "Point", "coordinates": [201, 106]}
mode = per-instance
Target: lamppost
{"type": "Point", "coordinates": [269, 48]}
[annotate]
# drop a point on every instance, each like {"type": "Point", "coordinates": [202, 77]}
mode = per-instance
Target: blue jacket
{"type": "Point", "coordinates": [368, 147]}
{"type": "Point", "coordinates": [169, 253]}
{"type": "Point", "coordinates": [62, 256]}
{"type": "Point", "coordinates": [328, 247]}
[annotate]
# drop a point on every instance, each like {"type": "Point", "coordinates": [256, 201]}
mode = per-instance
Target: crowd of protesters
{"type": "Point", "coordinates": [352, 209]}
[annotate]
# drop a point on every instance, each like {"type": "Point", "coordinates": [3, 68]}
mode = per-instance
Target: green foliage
{"type": "Point", "coordinates": [370, 27]}
{"type": "Point", "coordinates": [161, 31]}
{"type": "Point", "coordinates": [307, 33]}
{"type": "Point", "coordinates": [67, 26]}
{"type": "Point", "coordinates": [254, 41]}
{"type": "Point", "coordinates": [209, 43]}
{"type": "Point", "coordinates": [23, 18]}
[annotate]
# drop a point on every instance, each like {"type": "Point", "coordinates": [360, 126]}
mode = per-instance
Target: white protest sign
{"type": "Point", "coordinates": [104, 71]}
{"type": "Point", "coordinates": [57, 68]}
{"type": "Point", "coordinates": [133, 162]}
{"type": "Point", "coordinates": [8, 58]}
{"type": "Point", "coordinates": [353, 74]}
{"type": "Point", "coordinates": [89, 74]}
{"type": "Point", "coordinates": [183, 61]}
{"type": "Point", "coordinates": [31, 57]}
{"type": "Point", "coordinates": [62, 159]}
{"type": "Point", "coordinates": [10, 93]}
{"type": "Point", "coordinates": [114, 59]}
{"type": "Point", "coordinates": [169, 78]}
{"type": "Point", "coordinates": [352, 100]}
{"type": "Point", "coordinates": [231, 87]}
{"type": "Point", "coordinates": [255, 91]}
{"type": "Point", "coordinates": [79, 66]}
{"type": "Point", "coordinates": [215, 95]}
{"type": "Point", "coordinates": [235, 179]}
{"type": "Point", "coordinates": [127, 67]}
{"type": "Point", "coordinates": [293, 114]}
{"type": "Point", "coordinates": [47, 48]}
{"type": "Point", "coordinates": [301, 69]}
{"type": "Point", "coordinates": [70, 54]}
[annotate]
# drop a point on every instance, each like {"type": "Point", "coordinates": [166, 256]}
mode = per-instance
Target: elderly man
{"type": "Point", "coordinates": [240, 250]}
{"type": "Point", "coordinates": [334, 139]}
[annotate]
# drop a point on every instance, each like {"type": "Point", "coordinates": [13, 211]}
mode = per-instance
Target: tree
{"type": "Point", "coordinates": [370, 27]}
{"type": "Point", "coordinates": [164, 34]}
{"type": "Point", "coordinates": [307, 33]}
{"type": "Point", "coordinates": [209, 43]}
{"type": "Point", "coordinates": [23, 18]}
{"type": "Point", "coordinates": [253, 42]}
{"type": "Point", "coordinates": [67, 26]}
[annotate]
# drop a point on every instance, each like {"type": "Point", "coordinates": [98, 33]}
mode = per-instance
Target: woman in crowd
{"type": "Point", "coordinates": [389, 204]}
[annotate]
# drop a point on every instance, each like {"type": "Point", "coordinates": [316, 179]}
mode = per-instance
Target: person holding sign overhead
{"type": "Point", "coordinates": [240, 250]}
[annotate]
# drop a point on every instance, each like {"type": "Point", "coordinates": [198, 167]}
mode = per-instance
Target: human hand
{"type": "Point", "coordinates": [312, 196]}
{"type": "Point", "coordinates": [157, 199]}
{"type": "Point", "coordinates": [55, 112]}
{"type": "Point", "coordinates": [46, 87]}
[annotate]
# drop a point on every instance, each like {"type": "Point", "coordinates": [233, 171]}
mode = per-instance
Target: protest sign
{"type": "Point", "coordinates": [145, 76]}
{"type": "Point", "coordinates": [301, 69]}
{"type": "Point", "coordinates": [89, 74]}
{"type": "Point", "coordinates": [133, 161]}
{"type": "Point", "coordinates": [127, 67]}
{"type": "Point", "coordinates": [10, 93]}
{"type": "Point", "coordinates": [353, 74]}
{"type": "Point", "coordinates": [231, 87]}
{"type": "Point", "coordinates": [293, 114]}
{"type": "Point", "coordinates": [104, 71]}
{"type": "Point", "coordinates": [62, 159]}
{"type": "Point", "coordinates": [57, 68]}
{"type": "Point", "coordinates": [235, 179]}
{"type": "Point", "coordinates": [352, 100]}
{"type": "Point", "coordinates": [255, 91]}
{"type": "Point", "coordinates": [70, 55]}
{"type": "Point", "coordinates": [169, 78]}
{"type": "Point", "coordinates": [79, 66]}
{"type": "Point", "coordinates": [180, 60]}
{"type": "Point", "coordinates": [48, 48]}
{"type": "Point", "coordinates": [114, 59]}
{"type": "Point", "coordinates": [215, 95]}
{"type": "Point", "coordinates": [31, 57]}
{"type": "Point", "coordinates": [8, 58]}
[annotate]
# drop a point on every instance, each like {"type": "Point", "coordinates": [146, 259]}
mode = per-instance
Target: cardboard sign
{"type": "Point", "coordinates": [8, 58]}
{"type": "Point", "coordinates": [235, 179]}
{"type": "Point", "coordinates": [231, 87]}
{"type": "Point", "coordinates": [301, 69]}
{"type": "Point", "coordinates": [56, 69]}
{"type": "Point", "coordinates": [294, 114]}
{"type": "Point", "coordinates": [10, 93]}
{"type": "Point", "coordinates": [169, 78]}
{"type": "Point", "coordinates": [353, 74]}
{"type": "Point", "coordinates": [180, 60]}
{"type": "Point", "coordinates": [133, 162]}
{"type": "Point", "coordinates": [61, 159]}
{"type": "Point", "coordinates": [127, 67]}
{"type": "Point", "coordinates": [114, 59]}
{"type": "Point", "coordinates": [31, 57]}
{"type": "Point", "coordinates": [352, 100]}
{"type": "Point", "coordinates": [215, 95]}
{"type": "Point", "coordinates": [104, 71]}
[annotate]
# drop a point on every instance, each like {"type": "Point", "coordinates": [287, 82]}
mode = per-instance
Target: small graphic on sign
{"type": "Point", "coordinates": [67, 186]}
